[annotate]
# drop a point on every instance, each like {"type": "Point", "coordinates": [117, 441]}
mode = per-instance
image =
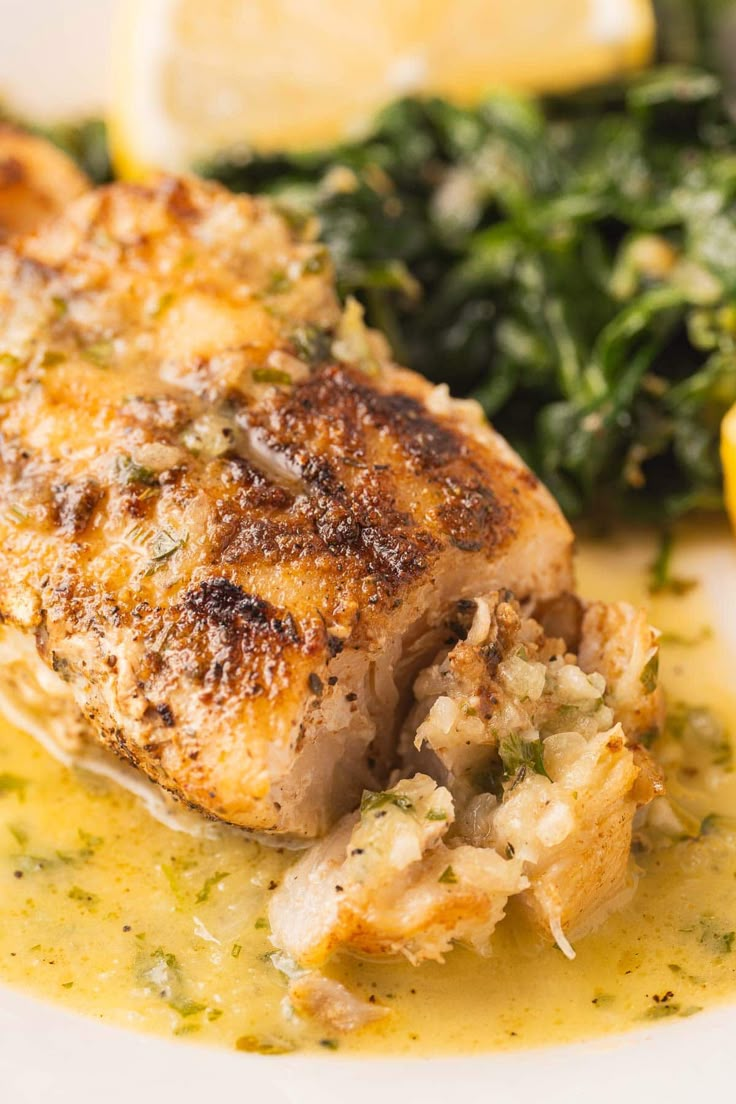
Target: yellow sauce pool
{"type": "Point", "coordinates": [110, 913]}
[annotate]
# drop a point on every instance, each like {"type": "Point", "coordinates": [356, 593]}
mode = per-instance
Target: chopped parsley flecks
{"type": "Point", "coordinates": [371, 801]}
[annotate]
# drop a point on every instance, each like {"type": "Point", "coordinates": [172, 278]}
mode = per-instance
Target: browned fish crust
{"type": "Point", "coordinates": [36, 181]}
{"type": "Point", "coordinates": [216, 496]}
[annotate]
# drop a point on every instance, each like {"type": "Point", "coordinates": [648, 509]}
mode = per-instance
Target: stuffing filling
{"type": "Point", "coordinates": [521, 775]}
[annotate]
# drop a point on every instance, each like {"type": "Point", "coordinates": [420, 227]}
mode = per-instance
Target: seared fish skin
{"type": "Point", "coordinates": [232, 523]}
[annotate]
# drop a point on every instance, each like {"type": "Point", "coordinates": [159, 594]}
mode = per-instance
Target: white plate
{"type": "Point", "coordinates": [51, 1057]}
{"type": "Point", "coordinates": [52, 62]}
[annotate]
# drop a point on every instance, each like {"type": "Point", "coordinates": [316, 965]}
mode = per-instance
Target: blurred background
{"type": "Point", "coordinates": [55, 54]}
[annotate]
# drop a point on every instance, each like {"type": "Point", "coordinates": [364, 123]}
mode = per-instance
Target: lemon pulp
{"type": "Point", "coordinates": [190, 79]}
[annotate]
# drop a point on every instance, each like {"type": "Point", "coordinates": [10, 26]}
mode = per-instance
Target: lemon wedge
{"type": "Point", "coordinates": [189, 79]}
{"type": "Point", "coordinates": [728, 458]}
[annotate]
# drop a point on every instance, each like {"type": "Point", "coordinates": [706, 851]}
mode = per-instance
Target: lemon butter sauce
{"type": "Point", "coordinates": [110, 912]}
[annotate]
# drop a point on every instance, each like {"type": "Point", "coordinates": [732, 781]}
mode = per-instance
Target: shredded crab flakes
{"type": "Point", "coordinates": [541, 789]}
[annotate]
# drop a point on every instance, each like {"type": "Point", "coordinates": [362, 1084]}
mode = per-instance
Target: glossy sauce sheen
{"type": "Point", "coordinates": [109, 912]}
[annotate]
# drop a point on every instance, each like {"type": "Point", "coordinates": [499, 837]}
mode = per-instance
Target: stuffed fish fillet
{"type": "Point", "coordinates": [231, 528]}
